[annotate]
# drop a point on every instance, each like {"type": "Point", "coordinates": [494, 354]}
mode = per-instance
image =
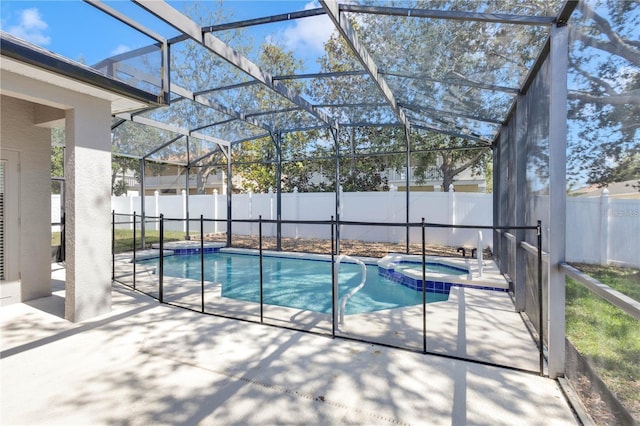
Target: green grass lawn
{"type": "Point", "coordinates": [605, 335]}
{"type": "Point", "coordinates": [124, 238]}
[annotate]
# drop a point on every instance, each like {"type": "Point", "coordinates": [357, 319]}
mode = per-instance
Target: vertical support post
{"type": "Point", "coordinates": [296, 202]}
{"type": "Point", "coordinates": [166, 72]}
{"type": "Point", "coordinates": [261, 273]}
{"type": "Point", "coordinates": [88, 142]}
{"type": "Point", "coordinates": [134, 250]}
{"type": "Point", "coordinates": [334, 292]}
{"type": "Point", "coordinates": [143, 209]}
{"type": "Point", "coordinates": [62, 219]}
{"type": "Point", "coordinates": [558, 56]}
{"type": "Point", "coordinates": [519, 146]}
{"type": "Point", "coordinates": [113, 245]}
{"type": "Point", "coordinates": [424, 290]}
{"type": "Point", "coordinates": [604, 227]}
{"type": "Point", "coordinates": [131, 209]}
{"type": "Point", "coordinates": [277, 139]}
{"type": "Point", "coordinates": [161, 262]}
{"type": "Point", "coordinates": [407, 181]}
{"type": "Point", "coordinates": [451, 202]}
{"type": "Point", "coordinates": [497, 197]}
{"type": "Point", "coordinates": [250, 196]}
{"type": "Point", "coordinates": [229, 189]}
{"type": "Point", "coordinates": [271, 215]}
{"type": "Point", "coordinates": [540, 298]}
{"type": "Point", "coordinates": [202, 262]}
{"type": "Point", "coordinates": [215, 211]}
{"type": "Point", "coordinates": [334, 133]}
{"type": "Point", "coordinates": [186, 204]}
{"type": "Point", "coordinates": [156, 199]}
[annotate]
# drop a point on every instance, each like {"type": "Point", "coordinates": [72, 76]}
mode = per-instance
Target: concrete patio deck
{"type": "Point", "coordinates": [146, 363]}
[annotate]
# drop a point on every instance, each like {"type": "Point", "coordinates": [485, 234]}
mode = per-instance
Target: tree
{"type": "Point", "coordinates": [256, 175]}
{"type": "Point", "coordinates": [450, 161]}
{"type": "Point", "coordinates": [348, 95]}
{"type": "Point", "coordinates": [57, 157]}
{"type": "Point", "coordinates": [604, 93]}
{"type": "Point", "coordinates": [198, 69]}
{"type": "Point", "coordinates": [57, 151]}
{"type": "Point", "coordinates": [454, 54]}
{"type": "Point", "coordinates": [129, 142]}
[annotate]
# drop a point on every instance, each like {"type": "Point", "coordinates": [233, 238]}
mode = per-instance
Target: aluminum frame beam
{"type": "Point", "coordinates": [184, 24]}
{"type": "Point", "coordinates": [175, 129]}
{"type": "Point", "coordinates": [559, 59]}
{"type": "Point", "coordinates": [265, 20]}
{"type": "Point", "coordinates": [19, 50]}
{"type": "Point", "coordinates": [383, 72]}
{"type": "Point", "coordinates": [498, 18]}
{"type": "Point", "coordinates": [320, 75]}
{"type": "Point", "coordinates": [354, 105]}
{"type": "Point", "coordinates": [347, 31]}
{"type": "Point", "coordinates": [455, 82]}
{"type": "Point", "coordinates": [418, 108]}
{"type": "Point", "coordinates": [217, 123]}
{"type": "Point", "coordinates": [229, 87]}
{"type": "Point", "coordinates": [134, 24]}
{"type": "Point", "coordinates": [163, 146]}
{"type": "Point", "coordinates": [202, 100]}
{"type": "Point", "coordinates": [450, 133]}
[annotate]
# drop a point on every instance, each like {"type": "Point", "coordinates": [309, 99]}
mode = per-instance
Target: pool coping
{"type": "Point", "coordinates": [489, 278]}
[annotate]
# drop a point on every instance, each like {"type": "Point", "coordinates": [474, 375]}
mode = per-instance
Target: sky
{"type": "Point", "coordinates": [81, 32]}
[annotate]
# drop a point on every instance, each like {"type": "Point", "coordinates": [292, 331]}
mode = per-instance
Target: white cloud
{"type": "Point", "coordinates": [31, 27]}
{"type": "Point", "coordinates": [120, 49]}
{"type": "Point", "coordinates": [309, 33]}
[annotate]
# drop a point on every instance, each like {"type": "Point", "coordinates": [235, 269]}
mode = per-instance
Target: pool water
{"type": "Point", "coordinates": [296, 283]}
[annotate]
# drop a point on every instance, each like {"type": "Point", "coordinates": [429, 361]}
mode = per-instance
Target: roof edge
{"type": "Point", "coordinates": [20, 50]}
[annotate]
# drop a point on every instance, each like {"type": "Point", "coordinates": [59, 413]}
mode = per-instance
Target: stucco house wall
{"type": "Point", "coordinates": [28, 232]}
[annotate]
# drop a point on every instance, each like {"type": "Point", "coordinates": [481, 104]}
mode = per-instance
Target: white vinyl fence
{"type": "Point", "coordinates": [388, 207]}
{"type": "Point", "coordinates": [603, 230]}
{"type": "Point", "coordinates": [600, 230]}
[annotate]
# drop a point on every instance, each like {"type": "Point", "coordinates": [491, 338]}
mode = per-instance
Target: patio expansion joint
{"type": "Point", "coordinates": [276, 388]}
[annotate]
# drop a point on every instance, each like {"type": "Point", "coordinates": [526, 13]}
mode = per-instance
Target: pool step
{"type": "Point", "coordinates": [190, 247]}
{"type": "Point", "coordinates": [411, 277]}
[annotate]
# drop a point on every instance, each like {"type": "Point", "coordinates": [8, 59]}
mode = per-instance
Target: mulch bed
{"type": "Point", "coordinates": [348, 247]}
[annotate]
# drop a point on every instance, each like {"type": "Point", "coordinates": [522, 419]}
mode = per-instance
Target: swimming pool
{"type": "Point", "coordinates": [294, 282]}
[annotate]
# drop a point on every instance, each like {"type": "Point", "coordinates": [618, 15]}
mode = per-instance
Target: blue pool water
{"type": "Point", "coordinates": [296, 283]}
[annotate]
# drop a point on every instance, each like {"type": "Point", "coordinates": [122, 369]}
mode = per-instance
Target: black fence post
{"type": "Point", "coordinates": [161, 262]}
{"type": "Point", "coordinates": [260, 261]}
{"type": "Point", "coordinates": [134, 250]}
{"type": "Point", "coordinates": [334, 294]}
{"type": "Point", "coordinates": [202, 262]}
{"type": "Point", "coordinates": [113, 245]}
{"type": "Point", "coordinates": [424, 291]}
{"type": "Point", "coordinates": [540, 310]}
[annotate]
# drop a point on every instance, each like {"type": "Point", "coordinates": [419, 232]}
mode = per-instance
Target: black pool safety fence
{"type": "Point", "coordinates": [474, 324]}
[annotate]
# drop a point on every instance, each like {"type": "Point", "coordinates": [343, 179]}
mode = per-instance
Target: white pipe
{"type": "Point", "coordinates": [479, 253]}
{"type": "Point", "coordinates": [345, 299]}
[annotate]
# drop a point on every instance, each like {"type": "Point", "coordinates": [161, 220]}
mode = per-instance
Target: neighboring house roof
{"type": "Point", "coordinates": [626, 189]}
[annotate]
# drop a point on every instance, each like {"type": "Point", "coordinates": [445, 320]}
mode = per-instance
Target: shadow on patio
{"type": "Point", "coordinates": [150, 363]}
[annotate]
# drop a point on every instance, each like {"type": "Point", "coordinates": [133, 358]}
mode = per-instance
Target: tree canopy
{"type": "Point", "coordinates": [445, 78]}
{"type": "Point", "coordinates": [604, 93]}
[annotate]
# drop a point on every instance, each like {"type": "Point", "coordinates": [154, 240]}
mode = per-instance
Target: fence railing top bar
{"type": "Point", "coordinates": [622, 301]}
{"type": "Point", "coordinates": [530, 248]}
{"type": "Point", "coordinates": [343, 222]}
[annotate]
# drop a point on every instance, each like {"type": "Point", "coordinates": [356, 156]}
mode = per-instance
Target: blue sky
{"type": "Point", "coordinates": [81, 32]}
